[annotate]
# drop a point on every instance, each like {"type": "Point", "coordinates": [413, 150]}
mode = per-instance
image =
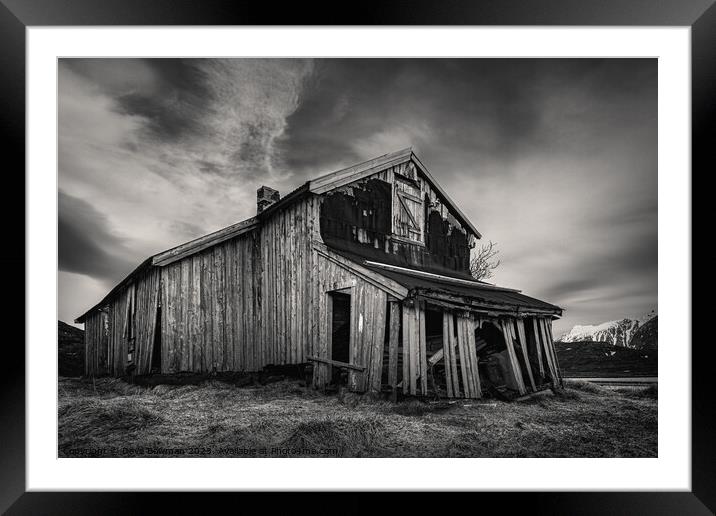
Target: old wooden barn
{"type": "Point", "coordinates": [362, 273]}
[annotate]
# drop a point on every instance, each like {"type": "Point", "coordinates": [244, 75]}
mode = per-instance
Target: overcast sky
{"type": "Point", "coordinates": [553, 159]}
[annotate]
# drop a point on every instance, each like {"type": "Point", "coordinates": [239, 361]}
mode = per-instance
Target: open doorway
{"type": "Point", "coordinates": [340, 334]}
{"type": "Point", "coordinates": [496, 373]}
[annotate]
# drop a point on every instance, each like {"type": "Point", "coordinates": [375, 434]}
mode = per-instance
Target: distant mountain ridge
{"type": "Point", "coordinates": [638, 333]}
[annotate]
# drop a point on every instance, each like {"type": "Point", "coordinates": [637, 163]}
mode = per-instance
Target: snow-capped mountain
{"type": "Point", "coordinates": [617, 333]}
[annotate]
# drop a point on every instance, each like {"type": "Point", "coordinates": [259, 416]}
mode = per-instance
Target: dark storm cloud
{"type": "Point", "coordinates": [479, 109]}
{"type": "Point", "coordinates": [170, 94]}
{"type": "Point", "coordinates": [86, 243]}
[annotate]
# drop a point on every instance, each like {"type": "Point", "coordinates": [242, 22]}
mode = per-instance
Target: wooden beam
{"type": "Point", "coordinates": [464, 360]}
{"type": "Point", "coordinates": [453, 355]}
{"type": "Point", "coordinates": [413, 346]}
{"type": "Point", "coordinates": [204, 242]}
{"type": "Point", "coordinates": [422, 344]}
{"type": "Point", "coordinates": [406, 348]}
{"type": "Point", "coordinates": [506, 331]}
{"type": "Point", "coordinates": [535, 331]}
{"type": "Point", "coordinates": [394, 331]}
{"type": "Point", "coordinates": [549, 351]}
{"type": "Point", "coordinates": [377, 280]}
{"type": "Point", "coordinates": [523, 343]}
{"type": "Point", "coordinates": [548, 326]}
{"type": "Point", "coordinates": [447, 345]}
{"type": "Point", "coordinates": [440, 277]}
{"type": "Point", "coordinates": [547, 354]}
{"type": "Point", "coordinates": [472, 353]}
{"type": "Point", "coordinates": [336, 363]}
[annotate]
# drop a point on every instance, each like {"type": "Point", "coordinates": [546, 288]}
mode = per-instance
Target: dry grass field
{"type": "Point", "coordinates": [111, 418]}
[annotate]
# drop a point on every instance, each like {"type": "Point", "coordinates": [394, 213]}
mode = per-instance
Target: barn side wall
{"type": "Point", "coordinates": [209, 309]}
{"type": "Point", "coordinates": [286, 319]}
{"type": "Point", "coordinates": [245, 303]}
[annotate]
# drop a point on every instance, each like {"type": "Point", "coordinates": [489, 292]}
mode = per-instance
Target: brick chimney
{"type": "Point", "coordinates": [265, 197]}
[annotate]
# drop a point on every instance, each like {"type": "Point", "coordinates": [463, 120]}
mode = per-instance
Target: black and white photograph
{"type": "Point", "coordinates": [357, 257]}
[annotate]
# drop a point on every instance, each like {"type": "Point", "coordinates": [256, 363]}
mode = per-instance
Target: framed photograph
{"type": "Point", "coordinates": [410, 250]}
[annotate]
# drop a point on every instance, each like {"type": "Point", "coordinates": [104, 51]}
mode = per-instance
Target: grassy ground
{"type": "Point", "coordinates": [215, 419]}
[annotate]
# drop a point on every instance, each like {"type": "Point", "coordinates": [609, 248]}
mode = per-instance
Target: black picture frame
{"type": "Point", "coordinates": [17, 15]}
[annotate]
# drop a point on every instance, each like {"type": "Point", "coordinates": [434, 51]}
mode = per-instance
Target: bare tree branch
{"type": "Point", "coordinates": [483, 261]}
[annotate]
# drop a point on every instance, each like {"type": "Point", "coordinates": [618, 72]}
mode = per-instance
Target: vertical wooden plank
{"type": "Point", "coordinates": [368, 334]}
{"type": "Point", "coordinates": [229, 291]}
{"type": "Point", "coordinates": [413, 345]}
{"type": "Point", "coordinates": [464, 360]}
{"type": "Point", "coordinates": [538, 346]}
{"type": "Point", "coordinates": [393, 334]}
{"type": "Point", "coordinates": [423, 352]}
{"type": "Point", "coordinates": [447, 352]}
{"type": "Point", "coordinates": [280, 351]}
{"type": "Point", "coordinates": [295, 267]}
{"type": "Point", "coordinates": [373, 329]}
{"type": "Point", "coordinates": [555, 359]}
{"type": "Point", "coordinates": [547, 351]}
{"type": "Point", "coordinates": [514, 363]}
{"type": "Point", "coordinates": [261, 274]}
{"type": "Point", "coordinates": [276, 283]}
{"type": "Point", "coordinates": [466, 324]}
{"type": "Point", "coordinates": [208, 310]}
{"type": "Point", "coordinates": [195, 335]}
{"type": "Point", "coordinates": [185, 301]}
{"type": "Point", "coordinates": [472, 352]}
{"type": "Point", "coordinates": [464, 357]}
{"type": "Point", "coordinates": [523, 342]}
{"type": "Point", "coordinates": [356, 333]}
{"type": "Point", "coordinates": [453, 356]}
{"type": "Point", "coordinates": [321, 345]}
{"type": "Point", "coordinates": [253, 288]}
{"type": "Point", "coordinates": [406, 347]}
{"type": "Point", "coordinates": [239, 320]}
{"type": "Point", "coordinates": [380, 311]}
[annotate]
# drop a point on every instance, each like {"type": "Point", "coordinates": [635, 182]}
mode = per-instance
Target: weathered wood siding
{"type": "Point", "coordinates": [288, 301]}
{"type": "Point", "coordinates": [209, 309]}
{"type": "Point", "coordinates": [146, 299]}
{"type": "Point", "coordinates": [96, 344]}
{"type": "Point", "coordinates": [117, 332]}
{"type": "Point", "coordinates": [369, 306]}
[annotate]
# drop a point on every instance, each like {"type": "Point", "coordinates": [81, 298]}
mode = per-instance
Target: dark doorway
{"type": "Point", "coordinates": [157, 345]}
{"type": "Point", "coordinates": [340, 333]}
{"type": "Point", "coordinates": [493, 360]}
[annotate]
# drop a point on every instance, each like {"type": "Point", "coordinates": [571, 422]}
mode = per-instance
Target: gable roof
{"type": "Point", "coordinates": [327, 182]}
